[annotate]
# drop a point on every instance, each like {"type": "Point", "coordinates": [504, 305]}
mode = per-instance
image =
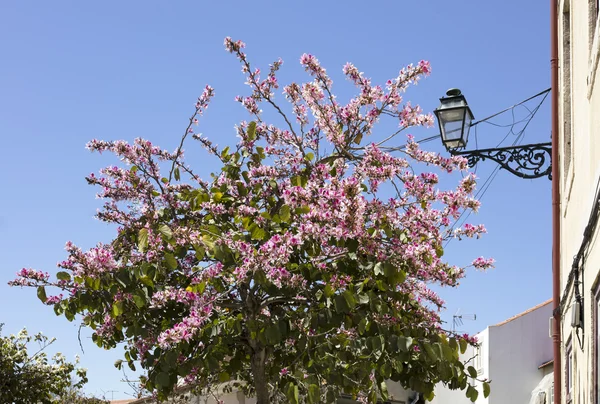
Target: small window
{"type": "Point", "coordinates": [479, 358]}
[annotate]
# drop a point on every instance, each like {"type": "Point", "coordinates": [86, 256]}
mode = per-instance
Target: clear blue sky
{"type": "Point", "coordinates": [73, 70]}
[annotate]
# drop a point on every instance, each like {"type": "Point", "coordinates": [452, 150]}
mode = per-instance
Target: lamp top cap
{"type": "Point", "coordinates": [453, 92]}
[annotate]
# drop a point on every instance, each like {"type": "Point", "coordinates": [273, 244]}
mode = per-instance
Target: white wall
{"type": "Point", "coordinates": [517, 349]}
{"type": "Point", "coordinates": [511, 354]}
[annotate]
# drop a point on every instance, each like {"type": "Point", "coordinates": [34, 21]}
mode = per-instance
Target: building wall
{"type": "Point", "coordinates": [511, 353]}
{"type": "Point", "coordinates": [579, 113]}
{"type": "Point", "coordinates": [518, 348]}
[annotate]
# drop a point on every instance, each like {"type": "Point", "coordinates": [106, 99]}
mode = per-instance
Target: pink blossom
{"type": "Point", "coordinates": [483, 263]}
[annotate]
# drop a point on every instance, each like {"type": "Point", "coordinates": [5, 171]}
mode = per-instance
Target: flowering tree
{"type": "Point", "coordinates": [288, 275]}
{"type": "Point", "coordinates": [33, 379]}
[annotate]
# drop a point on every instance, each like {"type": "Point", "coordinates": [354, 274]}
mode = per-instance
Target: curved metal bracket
{"type": "Point", "coordinates": [526, 161]}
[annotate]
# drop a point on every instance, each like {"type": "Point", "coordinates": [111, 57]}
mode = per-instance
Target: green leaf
{"type": "Point", "coordinates": [430, 351]}
{"type": "Point", "coordinates": [257, 233]}
{"type": "Point", "coordinates": [472, 372]}
{"type": "Point", "coordinates": [117, 308]}
{"type": "Point", "coordinates": [162, 379]}
{"type": "Point", "coordinates": [373, 396]}
{"type": "Point", "coordinates": [386, 370]}
{"type": "Point", "coordinates": [378, 345]}
{"type": "Point", "coordinates": [200, 251]}
{"type": "Point", "coordinates": [299, 180]}
{"type": "Point", "coordinates": [41, 294]}
{"type": "Point", "coordinates": [309, 156]}
{"type": "Point", "coordinates": [165, 231]}
{"type": "Point", "coordinates": [362, 326]}
{"type": "Point", "coordinates": [314, 395]}
{"type": "Point", "coordinates": [429, 396]}
{"type": "Point", "coordinates": [251, 130]}
{"type": "Point", "coordinates": [472, 393]}
{"type": "Point", "coordinates": [63, 276]}
{"type": "Point", "coordinates": [341, 305]}
{"type": "Point", "coordinates": [404, 343]}
{"type": "Point", "coordinates": [273, 334]}
{"type": "Point", "coordinates": [486, 389]}
{"type": "Point", "coordinates": [302, 210]}
{"type": "Point", "coordinates": [285, 213]}
{"type": "Point", "coordinates": [292, 393]}
{"type": "Point", "coordinates": [453, 344]}
{"type": "Point", "coordinates": [378, 269]}
{"type": "Point", "coordinates": [171, 261]}
{"type": "Point", "coordinates": [139, 301]}
{"type": "Point", "coordinates": [146, 280]}
{"type": "Point", "coordinates": [383, 389]}
{"type": "Point", "coordinates": [350, 300]}
{"type": "Point", "coordinates": [449, 353]}
{"type": "Point", "coordinates": [358, 138]}
{"type": "Point", "coordinates": [345, 302]}
{"type": "Point", "coordinates": [143, 240]}
{"type": "Point", "coordinates": [463, 345]}
{"type": "Point", "coordinates": [224, 377]}
{"type": "Point", "coordinates": [352, 245]}
{"type": "Point", "coordinates": [177, 174]}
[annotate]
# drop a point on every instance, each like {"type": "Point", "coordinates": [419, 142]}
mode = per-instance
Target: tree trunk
{"type": "Point", "coordinates": [260, 378]}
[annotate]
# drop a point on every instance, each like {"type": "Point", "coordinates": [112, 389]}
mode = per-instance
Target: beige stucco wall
{"type": "Point", "coordinates": [578, 181]}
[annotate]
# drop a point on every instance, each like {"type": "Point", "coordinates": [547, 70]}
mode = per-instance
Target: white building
{"type": "Point", "coordinates": [514, 355]}
{"type": "Point", "coordinates": [579, 165]}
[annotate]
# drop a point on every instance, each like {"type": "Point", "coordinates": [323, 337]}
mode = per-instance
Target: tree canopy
{"type": "Point", "coordinates": [301, 270]}
{"type": "Point", "coordinates": [33, 378]}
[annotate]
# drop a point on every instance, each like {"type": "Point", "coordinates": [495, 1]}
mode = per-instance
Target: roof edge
{"type": "Point", "coordinates": [508, 320]}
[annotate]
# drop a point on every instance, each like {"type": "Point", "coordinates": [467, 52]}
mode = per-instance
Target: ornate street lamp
{"type": "Point", "coordinates": [456, 119]}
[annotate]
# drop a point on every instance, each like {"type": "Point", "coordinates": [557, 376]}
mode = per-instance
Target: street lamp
{"type": "Point", "coordinates": [456, 119]}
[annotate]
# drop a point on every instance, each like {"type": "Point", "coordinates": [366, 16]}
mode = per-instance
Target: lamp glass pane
{"type": "Point", "coordinates": [451, 125]}
{"type": "Point", "coordinates": [466, 127]}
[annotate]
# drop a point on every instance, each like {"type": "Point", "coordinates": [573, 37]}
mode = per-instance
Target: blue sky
{"type": "Point", "coordinates": [72, 71]}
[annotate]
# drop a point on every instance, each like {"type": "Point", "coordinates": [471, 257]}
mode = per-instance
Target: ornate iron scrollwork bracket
{"type": "Point", "coordinates": [526, 161]}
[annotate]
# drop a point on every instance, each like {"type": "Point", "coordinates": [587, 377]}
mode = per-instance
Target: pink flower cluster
{"type": "Point", "coordinates": [30, 277]}
{"type": "Point", "coordinates": [107, 328]}
{"type": "Point", "coordinates": [187, 328]}
{"type": "Point", "coordinates": [92, 263]}
{"type": "Point", "coordinates": [52, 300]}
{"type": "Point", "coordinates": [161, 298]}
{"type": "Point", "coordinates": [483, 263]}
